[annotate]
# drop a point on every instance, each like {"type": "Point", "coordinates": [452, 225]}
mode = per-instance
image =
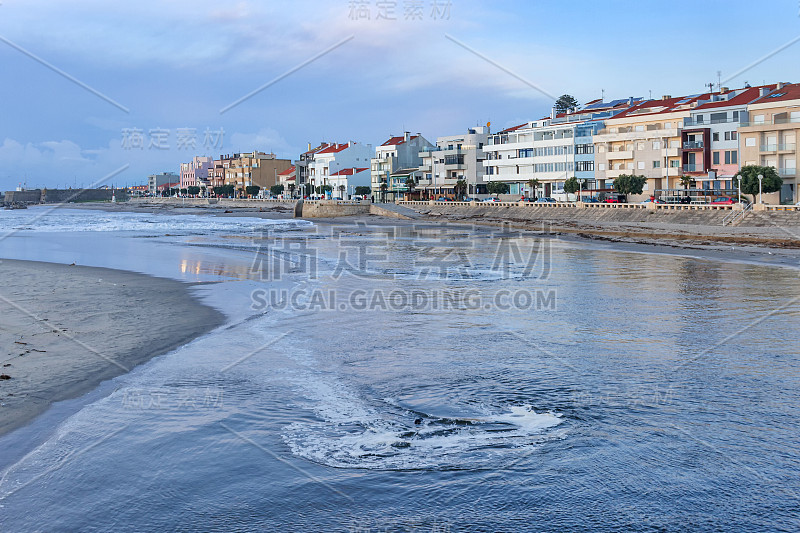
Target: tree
{"type": "Point", "coordinates": [363, 190]}
{"type": "Point", "coordinates": [193, 190]}
{"type": "Point", "coordinates": [184, 191]}
{"type": "Point", "coordinates": [565, 102]}
{"type": "Point", "coordinates": [686, 181]}
{"type": "Point", "coordinates": [632, 184]}
{"type": "Point", "coordinates": [292, 187]}
{"type": "Point", "coordinates": [411, 183]}
{"type": "Point", "coordinates": [533, 184]}
{"type": "Point", "coordinates": [275, 190]}
{"type": "Point", "coordinates": [571, 185]}
{"type": "Point", "coordinates": [461, 188]}
{"type": "Point", "coordinates": [771, 182]}
{"type": "Point", "coordinates": [342, 188]}
{"type": "Point", "coordinates": [497, 187]}
{"type": "Point", "coordinates": [384, 188]}
{"type": "Point", "coordinates": [224, 190]}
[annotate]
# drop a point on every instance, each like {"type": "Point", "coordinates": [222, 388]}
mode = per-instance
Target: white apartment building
{"type": "Point", "coordinates": [345, 181]}
{"type": "Point", "coordinates": [454, 158]}
{"type": "Point", "coordinates": [400, 152]}
{"type": "Point", "coordinates": [336, 157]}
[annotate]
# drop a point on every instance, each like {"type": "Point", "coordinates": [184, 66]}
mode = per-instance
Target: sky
{"type": "Point", "coordinates": [105, 93]}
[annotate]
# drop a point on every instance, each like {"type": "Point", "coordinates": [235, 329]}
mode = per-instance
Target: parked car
{"type": "Point", "coordinates": [590, 200]}
{"type": "Point", "coordinates": [444, 199]}
{"type": "Point", "coordinates": [527, 199]}
{"type": "Point", "coordinates": [545, 200]}
{"type": "Point", "coordinates": [615, 199]}
{"type": "Point", "coordinates": [468, 199]}
{"type": "Point", "coordinates": [723, 200]}
{"type": "Point", "coordinates": [653, 201]}
{"type": "Point", "coordinates": [491, 199]}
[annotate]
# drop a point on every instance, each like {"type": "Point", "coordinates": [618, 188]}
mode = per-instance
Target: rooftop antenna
{"type": "Point", "coordinates": [719, 80]}
{"type": "Point", "coordinates": [602, 95]}
{"type": "Point", "coordinates": [651, 94]}
{"type": "Point", "coordinates": [711, 87]}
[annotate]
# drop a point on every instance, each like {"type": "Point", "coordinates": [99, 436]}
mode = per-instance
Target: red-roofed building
{"type": "Point", "coordinates": [288, 179]}
{"type": "Point", "coordinates": [396, 153]}
{"type": "Point", "coordinates": [320, 164]}
{"type": "Point", "coordinates": [770, 137]}
{"type": "Point", "coordinates": [345, 181]}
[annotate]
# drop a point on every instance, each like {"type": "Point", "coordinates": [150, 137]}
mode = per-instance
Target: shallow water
{"type": "Point", "coordinates": [646, 393]}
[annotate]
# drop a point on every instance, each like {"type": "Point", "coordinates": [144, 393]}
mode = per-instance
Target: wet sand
{"type": "Point", "coordinates": [65, 329]}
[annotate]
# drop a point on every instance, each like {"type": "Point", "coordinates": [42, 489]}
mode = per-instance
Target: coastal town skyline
{"type": "Point", "coordinates": [466, 66]}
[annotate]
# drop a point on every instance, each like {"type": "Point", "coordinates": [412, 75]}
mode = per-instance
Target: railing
{"type": "Point", "coordinates": [768, 147]}
{"type": "Point", "coordinates": [736, 215]}
{"type": "Point", "coordinates": [692, 168]}
{"type": "Point", "coordinates": [789, 120]}
{"type": "Point", "coordinates": [787, 171]}
{"type": "Point", "coordinates": [692, 145]}
{"type": "Point", "coordinates": [790, 147]}
{"type": "Point", "coordinates": [602, 205]}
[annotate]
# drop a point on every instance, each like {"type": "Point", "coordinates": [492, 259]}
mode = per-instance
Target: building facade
{"type": "Point", "coordinates": [454, 158]}
{"type": "Point", "coordinates": [345, 181]}
{"type": "Point", "coordinates": [336, 157]}
{"type": "Point", "coordinates": [769, 138]}
{"type": "Point", "coordinates": [400, 152]}
{"type": "Point", "coordinates": [254, 168]}
{"type": "Point", "coordinates": [154, 181]}
{"type": "Point", "coordinates": [195, 172]}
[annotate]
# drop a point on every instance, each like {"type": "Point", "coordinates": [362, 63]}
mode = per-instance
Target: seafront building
{"type": "Point", "coordinates": [334, 158]}
{"type": "Point", "coordinates": [154, 181]}
{"type": "Point", "coordinates": [454, 158]}
{"type": "Point", "coordinates": [398, 152]}
{"type": "Point", "coordinates": [303, 167]}
{"type": "Point", "coordinates": [550, 150]}
{"type": "Point", "coordinates": [288, 178]}
{"type": "Point", "coordinates": [253, 168]}
{"type": "Point", "coordinates": [769, 138]}
{"type": "Point", "coordinates": [195, 172]}
{"type": "Point", "coordinates": [345, 181]}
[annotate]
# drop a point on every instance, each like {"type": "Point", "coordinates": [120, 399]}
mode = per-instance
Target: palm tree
{"type": "Point", "coordinates": [291, 189]}
{"type": "Point", "coordinates": [533, 184]}
{"type": "Point", "coordinates": [460, 188]}
{"type": "Point", "coordinates": [384, 188]}
{"type": "Point", "coordinates": [686, 181]}
{"type": "Point", "coordinates": [411, 184]}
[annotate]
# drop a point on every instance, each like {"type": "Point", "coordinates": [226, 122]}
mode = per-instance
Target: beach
{"type": "Point", "coordinates": [66, 328]}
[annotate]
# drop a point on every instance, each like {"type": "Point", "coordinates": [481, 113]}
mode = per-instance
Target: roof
{"type": "Point", "coordinates": [349, 171]}
{"type": "Point", "coordinates": [515, 128]}
{"type": "Point", "coordinates": [322, 146]}
{"type": "Point", "coordinates": [744, 97]}
{"type": "Point", "coordinates": [334, 148]}
{"type": "Point", "coordinates": [168, 185]}
{"type": "Point", "coordinates": [665, 105]}
{"type": "Point", "coordinates": [288, 171]}
{"type": "Point", "coordinates": [404, 171]}
{"type": "Point", "coordinates": [790, 91]}
{"type": "Point", "coordinates": [398, 140]}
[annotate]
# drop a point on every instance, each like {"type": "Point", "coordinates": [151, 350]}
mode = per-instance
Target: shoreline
{"type": "Point", "coordinates": [67, 329]}
{"type": "Point", "coordinates": [748, 246]}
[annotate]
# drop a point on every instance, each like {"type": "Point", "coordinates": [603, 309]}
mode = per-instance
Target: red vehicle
{"type": "Point", "coordinates": [723, 200]}
{"type": "Point", "coordinates": [615, 199]}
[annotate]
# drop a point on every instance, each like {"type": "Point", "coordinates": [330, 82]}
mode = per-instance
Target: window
{"type": "Point", "coordinates": [640, 146]}
{"type": "Point", "coordinates": [736, 116]}
{"type": "Point", "coordinates": [750, 141]}
{"type": "Point", "coordinates": [602, 166]}
{"type": "Point", "coordinates": [674, 163]}
{"type": "Point", "coordinates": [641, 165]}
{"type": "Point", "coordinates": [758, 119]}
{"type": "Point", "coordinates": [730, 135]}
{"type": "Point", "coordinates": [656, 164]}
{"type": "Point", "coordinates": [699, 119]}
{"type": "Point", "coordinates": [717, 118]}
{"type": "Point", "coordinates": [734, 135]}
{"type": "Point", "coordinates": [715, 158]}
{"type": "Point", "coordinates": [640, 128]}
{"type": "Point", "coordinates": [656, 145]}
{"type": "Point", "coordinates": [731, 157]}
{"type": "Point", "coordinates": [715, 136]}
{"type": "Point", "coordinates": [630, 166]}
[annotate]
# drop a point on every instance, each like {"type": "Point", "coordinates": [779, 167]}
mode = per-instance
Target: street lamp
{"type": "Point", "coordinates": [760, 177]}
{"type": "Point", "coordinates": [739, 177]}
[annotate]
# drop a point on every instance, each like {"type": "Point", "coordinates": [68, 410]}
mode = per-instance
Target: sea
{"type": "Point", "coordinates": [420, 376]}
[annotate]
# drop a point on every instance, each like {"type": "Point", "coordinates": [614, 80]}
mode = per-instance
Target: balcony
{"type": "Point", "coordinates": [787, 147]}
{"type": "Point", "coordinates": [693, 168]}
{"type": "Point", "coordinates": [693, 145]}
{"type": "Point", "coordinates": [672, 152]}
{"type": "Point", "coordinates": [624, 154]}
{"type": "Point", "coordinates": [787, 171]}
{"type": "Point", "coordinates": [769, 148]}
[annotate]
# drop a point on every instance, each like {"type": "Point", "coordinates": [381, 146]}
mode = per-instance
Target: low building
{"type": "Point", "coordinates": [345, 181]}
{"type": "Point", "coordinates": [336, 157]}
{"type": "Point", "coordinates": [154, 181]}
{"type": "Point", "coordinates": [288, 178]}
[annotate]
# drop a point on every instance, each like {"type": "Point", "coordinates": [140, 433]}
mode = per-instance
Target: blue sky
{"type": "Point", "coordinates": [175, 64]}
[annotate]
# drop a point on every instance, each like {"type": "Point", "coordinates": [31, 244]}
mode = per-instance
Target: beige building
{"type": "Point", "coordinates": [646, 140]}
{"type": "Point", "coordinates": [770, 136]}
{"type": "Point", "coordinates": [253, 168]}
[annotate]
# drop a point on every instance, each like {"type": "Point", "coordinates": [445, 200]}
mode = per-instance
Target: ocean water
{"type": "Point", "coordinates": [421, 378]}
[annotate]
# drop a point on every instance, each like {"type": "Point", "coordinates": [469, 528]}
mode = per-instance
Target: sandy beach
{"type": "Point", "coordinates": [67, 328]}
